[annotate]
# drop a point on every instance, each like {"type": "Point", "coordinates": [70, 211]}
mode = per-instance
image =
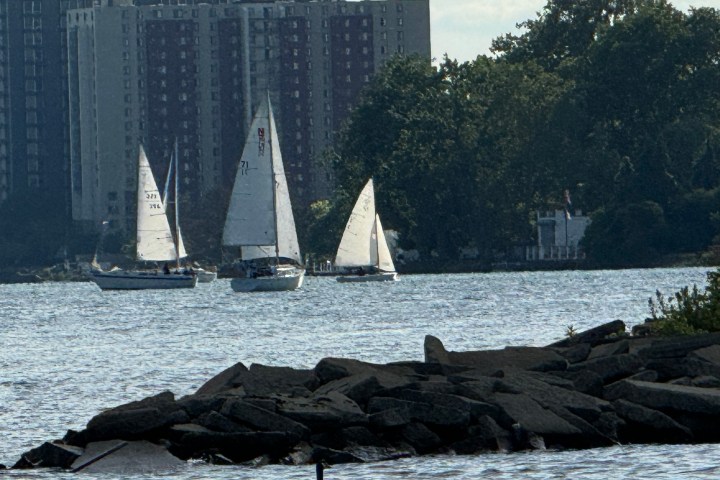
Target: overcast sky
{"type": "Point", "coordinates": [464, 29]}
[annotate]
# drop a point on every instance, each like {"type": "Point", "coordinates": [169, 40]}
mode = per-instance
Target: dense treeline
{"type": "Point", "coordinates": [617, 101]}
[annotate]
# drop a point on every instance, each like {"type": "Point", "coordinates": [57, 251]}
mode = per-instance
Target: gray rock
{"type": "Point", "coordinates": [594, 335]}
{"type": "Point", "coordinates": [360, 387]}
{"type": "Point", "coordinates": [672, 368]}
{"type": "Point", "coordinates": [709, 354]}
{"type": "Point", "coordinates": [136, 458]}
{"type": "Point", "coordinates": [263, 420]}
{"type": "Point", "coordinates": [611, 369]}
{"type": "Point", "coordinates": [132, 424]}
{"type": "Point", "coordinates": [608, 349]}
{"type": "Point", "coordinates": [347, 437]}
{"type": "Point", "coordinates": [329, 369]}
{"type": "Point", "coordinates": [678, 347]}
{"type": "Point", "coordinates": [575, 353]}
{"type": "Point", "coordinates": [706, 381]}
{"type": "Point", "coordinates": [490, 361]}
{"type": "Point", "coordinates": [666, 397]}
{"type": "Point", "coordinates": [584, 381]}
{"type": "Point", "coordinates": [280, 380]}
{"type": "Point", "coordinates": [421, 438]}
{"type": "Point", "coordinates": [220, 423]}
{"type": "Point", "coordinates": [485, 435]}
{"type": "Point", "coordinates": [390, 418]}
{"type": "Point", "coordinates": [49, 454]}
{"type": "Point", "coordinates": [645, 425]}
{"type": "Point", "coordinates": [643, 376]}
{"type": "Point", "coordinates": [525, 411]}
{"type": "Point", "coordinates": [431, 415]}
{"type": "Point", "coordinates": [322, 412]}
{"type": "Point", "coordinates": [474, 408]}
{"type": "Point", "coordinates": [196, 405]}
{"type": "Point", "coordinates": [222, 381]}
{"type": "Point", "coordinates": [238, 447]}
{"type": "Point", "coordinates": [580, 404]}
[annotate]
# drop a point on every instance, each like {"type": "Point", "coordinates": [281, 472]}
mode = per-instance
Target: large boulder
{"type": "Point", "coordinates": [323, 412]}
{"type": "Point", "coordinates": [261, 419]}
{"type": "Point", "coordinates": [362, 386]}
{"type": "Point", "coordinates": [679, 347]}
{"type": "Point", "coordinates": [49, 454]}
{"type": "Point", "coordinates": [329, 369]}
{"type": "Point", "coordinates": [134, 458]}
{"type": "Point", "coordinates": [237, 447]}
{"type": "Point", "coordinates": [140, 420]}
{"type": "Point", "coordinates": [444, 419]}
{"type": "Point", "coordinates": [612, 368]}
{"type": "Point", "coordinates": [594, 336]}
{"type": "Point", "coordinates": [645, 425]}
{"type": "Point", "coordinates": [260, 380]}
{"type": "Point", "coordinates": [490, 361]}
{"type": "Point", "coordinates": [223, 381]}
{"type": "Point", "coordinates": [474, 408]}
{"type": "Point", "coordinates": [525, 411]}
{"type": "Point", "coordinates": [666, 397]}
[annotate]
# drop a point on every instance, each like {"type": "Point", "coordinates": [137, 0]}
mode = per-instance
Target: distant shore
{"type": "Point", "coordinates": [77, 272]}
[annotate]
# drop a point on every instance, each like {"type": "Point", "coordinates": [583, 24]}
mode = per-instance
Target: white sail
{"type": "Point", "coordinates": [250, 216]}
{"type": "Point", "coordinates": [182, 253]}
{"type": "Point", "coordinates": [357, 246]}
{"type": "Point", "coordinates": [287, 242]}
{"type": "Point", "coordinates": [154, 238]}
{"type": "Point", "coordinates": [384, 259]}
{"type": "Point", "coordinates": [259, 218]}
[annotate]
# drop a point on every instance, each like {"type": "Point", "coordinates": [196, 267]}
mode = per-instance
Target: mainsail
{"type": "Point", "coordinates": [154, 238]}
{"type": "Point", "coordinates": [357, 246]}
{"type": "Point", "coordinates": [260, 218]}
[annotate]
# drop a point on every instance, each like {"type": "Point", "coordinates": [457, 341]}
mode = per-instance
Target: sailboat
{"type": "Point", "coordinates": [155, 243]}
{"type": "Point", "coordinates": [259, 221]}
{"type": "Point", "coordinates": [363, 250]}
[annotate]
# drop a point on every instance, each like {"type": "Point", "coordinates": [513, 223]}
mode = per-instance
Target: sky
{"type": "Point", "coordinates": [465, 29]}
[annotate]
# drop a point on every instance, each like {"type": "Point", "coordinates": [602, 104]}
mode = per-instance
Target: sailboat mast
{"type": "Point", "coordinates": [177, 207]}
{"type": "Point", "coordinates": [274, 182]}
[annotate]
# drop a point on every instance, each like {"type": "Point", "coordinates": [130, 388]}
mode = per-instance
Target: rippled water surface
{"type": "Point", "coordinates": [68, 350]}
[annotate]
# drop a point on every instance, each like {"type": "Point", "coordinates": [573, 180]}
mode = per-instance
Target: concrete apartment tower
{"type": "Point", "coordinates": [33, 98]}
{"type": "Point", "coordinates": [151, 72]}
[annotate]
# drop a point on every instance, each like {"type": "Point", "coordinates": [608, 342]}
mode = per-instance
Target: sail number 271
{"type": "Point", "coordinates": [153, 196]}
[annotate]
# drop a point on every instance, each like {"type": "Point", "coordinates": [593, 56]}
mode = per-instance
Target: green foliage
{"type": "Point", "coordinates": [615, 100]}
{"type": "Point", "coordinates": [689, 311]}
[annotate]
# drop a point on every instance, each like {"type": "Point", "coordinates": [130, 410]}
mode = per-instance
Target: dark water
{"type": "Point", "coordinates": [68, 350]}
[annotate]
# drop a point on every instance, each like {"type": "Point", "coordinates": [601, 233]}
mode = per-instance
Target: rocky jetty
{"type": "Point", "coordinates": [596, 388]}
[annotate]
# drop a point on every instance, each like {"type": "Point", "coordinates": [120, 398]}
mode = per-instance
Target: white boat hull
{"type": "Point", "coordinates": [205, 276]}
{"type": "Point", "coordinates": [142, 280]}
{"type": "Point", "coordinates": [370, 277]}
{"type": "Point", "coordinates": [283, 280]}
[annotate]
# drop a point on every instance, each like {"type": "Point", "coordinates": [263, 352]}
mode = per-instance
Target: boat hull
{"type": "Point", "coordinates": [282, 281]}
{"type": "Point", "coordinates": [142, 280]}
{"type": "Point", "coordinates": [205, 276]}
{"type": "Point", "coordinates": [371, 277]}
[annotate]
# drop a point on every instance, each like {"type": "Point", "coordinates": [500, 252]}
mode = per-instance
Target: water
{"type": "Point", "coordinates": [68, 350]}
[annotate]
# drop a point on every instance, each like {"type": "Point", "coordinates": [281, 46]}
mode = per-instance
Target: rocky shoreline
{"type": "Point", "coordinates": [597, 388]}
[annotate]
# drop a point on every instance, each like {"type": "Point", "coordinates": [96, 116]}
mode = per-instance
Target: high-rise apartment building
{"type": "Point", "coordinates": [33, 99]}
{"type": "Point", "coordinates": [152, 72]}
